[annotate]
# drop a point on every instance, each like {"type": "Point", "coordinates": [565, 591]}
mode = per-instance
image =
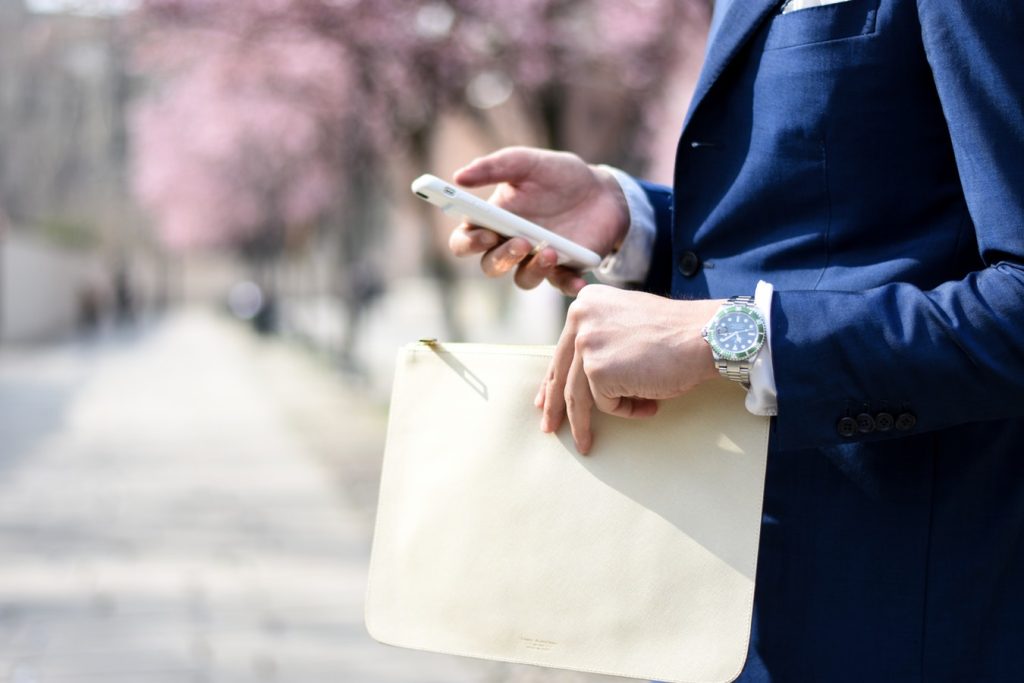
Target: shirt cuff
{"type": "Point", "coordinates": [763, 397]}
{"type": "Point", "coordinates": [629, 265]}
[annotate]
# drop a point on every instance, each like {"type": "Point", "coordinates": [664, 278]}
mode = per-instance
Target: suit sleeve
{"type": "Point", "coordinates": [953, 354]}
{"type": "Point", "coordinates": [659, 276]}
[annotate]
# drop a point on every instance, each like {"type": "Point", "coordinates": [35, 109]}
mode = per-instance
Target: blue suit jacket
{"type": "Point", "coordinates": [867, 158]}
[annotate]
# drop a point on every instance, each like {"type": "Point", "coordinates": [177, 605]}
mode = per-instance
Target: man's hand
{"type": "Point", "coordinates": [557, 190]}
{"type": "Point", "coordinates": [621, 351]}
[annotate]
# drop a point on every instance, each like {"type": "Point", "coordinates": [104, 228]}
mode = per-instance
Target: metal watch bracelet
{"type": "Point", "coordinates": [737, 370]}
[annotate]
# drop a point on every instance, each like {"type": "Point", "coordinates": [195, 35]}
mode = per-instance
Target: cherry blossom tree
{"type": "Point", "coordinates": [237, 142]}
{"type": "Point", "coordinates": [569, 62]}
{"type": "Point", "coordinates": [261, 107]}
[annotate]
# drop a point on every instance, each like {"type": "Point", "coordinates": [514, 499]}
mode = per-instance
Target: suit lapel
{"type": "Point", "coordinates": [731, 29]}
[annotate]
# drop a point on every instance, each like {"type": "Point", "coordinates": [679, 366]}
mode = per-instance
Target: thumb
{"type": "Point", "coordinates": [627, 406]}
{"type": "Point", "coordinates": [508, 165]}
{"type": "Point", "coordinates": [634, 407]}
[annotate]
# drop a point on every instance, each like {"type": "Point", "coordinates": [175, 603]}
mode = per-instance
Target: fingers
{"type": "Point", "coordinates": [569, 281]}
{"type": "Point", "coordinates": [504, 257]}
{"type": "Point", "coordinates": [554, 384]}
{"type": "Point", "coordinates": [578, 405]}
{"type": "Point", "coordinates": [579, 398]}
{"type": "Point", "coordinates": [535, 270]}
{"type": "Point", "coordinates": [467, 240]}
{"type": "Point", "coordinates": [509, 165]}
{"type": "Point", "coordinates": [501, 257]}
{"type": "Point", "coordinates": [532, 271]}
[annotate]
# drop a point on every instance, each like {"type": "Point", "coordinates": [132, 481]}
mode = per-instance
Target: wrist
{"type": "Point", "coordinates": [611, 187]}
{"type": "Point", "coordinates": [709, 366]}
{"type": "Point", "coordinates": [694, 354]}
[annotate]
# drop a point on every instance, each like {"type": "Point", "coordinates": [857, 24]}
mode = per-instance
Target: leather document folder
{"type": "Point", "coordinates": [495, 540]}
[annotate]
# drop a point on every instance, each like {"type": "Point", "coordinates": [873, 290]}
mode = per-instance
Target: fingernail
{"type": "Point", "coordinates": [545, 424]}
{"type": "Point", "coordinates": [488, 239]}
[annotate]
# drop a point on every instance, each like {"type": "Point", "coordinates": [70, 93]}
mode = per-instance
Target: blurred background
{"type": "Point", "coordinates": [209, 257]}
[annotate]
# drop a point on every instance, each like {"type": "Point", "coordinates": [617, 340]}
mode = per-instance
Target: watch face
{"type": "Point", "coordinates": [736, 332]}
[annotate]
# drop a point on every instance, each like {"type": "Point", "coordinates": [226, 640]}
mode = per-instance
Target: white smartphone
{"type": "Point", "coordinates": [459, 202]}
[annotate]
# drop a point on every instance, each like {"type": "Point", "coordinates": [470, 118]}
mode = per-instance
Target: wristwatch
{"type": "Point", "coordinates": [736, 334]}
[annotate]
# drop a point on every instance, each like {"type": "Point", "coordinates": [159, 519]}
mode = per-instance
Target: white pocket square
{"type": "Point", "coordinates": [795, 5]}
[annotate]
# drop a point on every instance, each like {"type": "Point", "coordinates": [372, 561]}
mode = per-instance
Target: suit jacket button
{"type": "Point", "coordinates": [847, 427]}
{"type": "Point", "coordinates": [689, 263]}
{"type": "Point", "coordinates": [884, 422]}
{"type": "Point", "coordinates": [905, 422]}
{"type": "Point", "coordinates": [865, 423]}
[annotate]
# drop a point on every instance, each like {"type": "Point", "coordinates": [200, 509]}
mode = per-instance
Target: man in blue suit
{"type": "Point", "coordinates": [864, 161]}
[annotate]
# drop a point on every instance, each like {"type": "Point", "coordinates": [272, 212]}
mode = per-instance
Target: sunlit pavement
{"type": "Point", "coordinates": [168, 512]}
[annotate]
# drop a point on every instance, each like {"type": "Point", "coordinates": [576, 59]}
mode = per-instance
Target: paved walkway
{"type": "Point", "coordinates": [191, 504]}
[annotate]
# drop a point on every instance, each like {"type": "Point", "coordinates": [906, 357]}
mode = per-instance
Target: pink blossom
{"type": "Point", "coordinates": [259, 111]}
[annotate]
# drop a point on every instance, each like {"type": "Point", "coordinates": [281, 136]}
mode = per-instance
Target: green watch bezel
{"type": "Point", "coordinates": [724, 354]}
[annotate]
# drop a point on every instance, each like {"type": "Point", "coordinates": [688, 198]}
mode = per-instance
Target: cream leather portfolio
{"type": "Point", "coordinates": [495, 540]}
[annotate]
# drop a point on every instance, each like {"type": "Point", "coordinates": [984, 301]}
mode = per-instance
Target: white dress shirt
{"type": "Point", "coordinates": [629, 265]}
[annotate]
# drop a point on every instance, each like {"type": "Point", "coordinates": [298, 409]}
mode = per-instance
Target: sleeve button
{"type": "Point", "coordinates": [865, 423]}
{"type": "Point", "coordinates": [906, 421]}
{"type": "Point", "coordinates": [884, 422]}
{"type": "Point", "coordinates": [847, 427]}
